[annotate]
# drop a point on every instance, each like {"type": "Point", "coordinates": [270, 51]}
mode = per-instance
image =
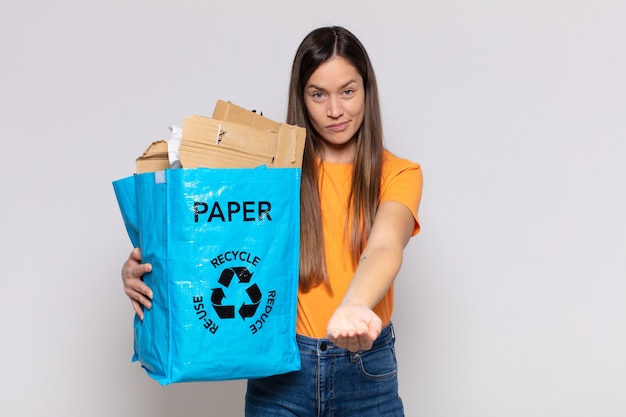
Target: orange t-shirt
{"type": "Point", "coordinates": [401, 182]}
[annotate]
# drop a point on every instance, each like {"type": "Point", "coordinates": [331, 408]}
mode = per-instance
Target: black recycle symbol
{"type": "Point", "coordinates": [218, 295]}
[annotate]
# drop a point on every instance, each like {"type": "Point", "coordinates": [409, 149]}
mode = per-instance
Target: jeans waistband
{"type": "Point", "coordinates": [324, 347]}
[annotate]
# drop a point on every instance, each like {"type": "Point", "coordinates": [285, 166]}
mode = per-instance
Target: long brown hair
{"type": "Point", "coordinates": [316, 48]}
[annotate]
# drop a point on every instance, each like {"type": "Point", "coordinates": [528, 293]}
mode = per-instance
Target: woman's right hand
{"type": "Point", "coordinates": [132, 272]}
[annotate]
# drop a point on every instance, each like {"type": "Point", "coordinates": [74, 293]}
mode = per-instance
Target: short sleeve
{"type": "Point", "coordinates": [402, 182]}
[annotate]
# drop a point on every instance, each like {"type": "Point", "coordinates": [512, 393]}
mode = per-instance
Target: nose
{"type": "Point", "coordinates": [335, 109]}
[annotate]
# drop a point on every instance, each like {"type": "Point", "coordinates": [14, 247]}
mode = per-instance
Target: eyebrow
{"type": "Point", "coordinates": [309, 86]}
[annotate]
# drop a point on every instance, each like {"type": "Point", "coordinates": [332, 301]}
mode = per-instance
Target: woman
{"type": "Point", "coordinates": [359, 208]}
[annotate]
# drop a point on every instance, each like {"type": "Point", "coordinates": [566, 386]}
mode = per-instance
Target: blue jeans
{"type": "Point", "coordinates": [332, 382]}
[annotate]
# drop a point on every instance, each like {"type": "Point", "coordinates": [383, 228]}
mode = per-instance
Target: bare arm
{"type": "Point", "coordinates": [139, 293]}
{"type": "Point", "coordinates": [354, 325]}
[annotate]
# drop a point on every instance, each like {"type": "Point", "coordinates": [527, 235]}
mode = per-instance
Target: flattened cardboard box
{"type": "Point", "coordinates": [155, 158]}
{"type": "Point", "coordinates": [231, 112]}
{"type": "Point", "coordinates": [234, 138]}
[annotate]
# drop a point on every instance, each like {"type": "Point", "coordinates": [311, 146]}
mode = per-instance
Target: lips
{"type": "Point", "coordinates": [338, 127]}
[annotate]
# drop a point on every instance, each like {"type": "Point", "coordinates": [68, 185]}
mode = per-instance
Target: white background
{"type": "Point", "coordinates": [512, 299]}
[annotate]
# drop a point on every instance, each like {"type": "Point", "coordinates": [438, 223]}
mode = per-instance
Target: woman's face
{"type": "Point", "coordinates": [335, 100]}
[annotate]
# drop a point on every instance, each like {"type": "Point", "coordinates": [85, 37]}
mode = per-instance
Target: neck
{"type": "Point", "coordinates": [339, 154]}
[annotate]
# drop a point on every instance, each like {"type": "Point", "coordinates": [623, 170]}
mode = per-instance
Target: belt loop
{"type": "Point", "coordinates": [393, 333]}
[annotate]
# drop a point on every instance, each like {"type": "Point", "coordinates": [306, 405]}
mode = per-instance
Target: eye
{"type": "Point", "coordinates": [317, 95]}
{"type": "Point", "coordinates": [348, 92]}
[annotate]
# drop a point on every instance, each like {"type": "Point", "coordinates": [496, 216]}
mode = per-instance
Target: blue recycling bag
{"type": "Point", "coordinates": [224, 249]}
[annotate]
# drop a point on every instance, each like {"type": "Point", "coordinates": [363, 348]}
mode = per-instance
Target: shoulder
{"type": "Point", "coordinates": [394, 165]}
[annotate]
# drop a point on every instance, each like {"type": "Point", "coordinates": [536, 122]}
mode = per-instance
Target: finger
{"type": "Point", "coordinates": [135, 255]}
{"type": "Point", "coordinates": [139, 270]}
{"type": "Point", "coordinates": [352, 344]}
{"type": "Point", "coordinates": [133, 278]}
{"type": "Point", "coordinates": [140, 296]}
{"type": "Point", "coordinates": [352, 341]}
{"type": "Point", "coordinates": [132, 283]}
{"type": "Point", "coordinates": [133, 265]}
{"type": "Point", "coordinates": [365, 341]}
{"type": "Point", "coordinates": [138, 309]}
{"type": "Point", "coordinates": [144, 290]}
{"type": "Point", "coordinates": [333, 334]}
{"type": "Point", "coordinates": [356, 339]}
{"type": "Point", "coordinates": [374, 333]}
{"type": "Point", "coordinates": [340, 342]}
{"type": "Point", "coordinates": [341, 338]}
